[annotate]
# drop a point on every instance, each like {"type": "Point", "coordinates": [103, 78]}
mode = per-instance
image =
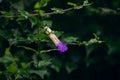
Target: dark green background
{"type": "Point", "coordinates": [93, 62]}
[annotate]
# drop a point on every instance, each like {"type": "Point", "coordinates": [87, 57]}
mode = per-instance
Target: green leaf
{"type": "Point", "coordinates": [44, 2]}
{"type": "Point", "coordinates": [33, 21]}
{"type": "Point", "coordinates": [12, 68]}
{"type": "Point", "coordinates": [89, 62]}
{"type": "Point", "coordinates": [70, 39]}
{"type": "Point", "coordinates": [75, 6]}
{"type": "Point", "coordinates": [40, 12]}
{"type": "Point", "coordinates": [7, 51]}
{"type": "Point", "coordinates": [70, 67]}
{"type": "Point", "coordinates": [57, 65]}
{"type": "Point", "coordinates": [5, 13]}
{"type": "Point", "coordinates": [8, 59]}
{"type": "Point", "coordinates": [22, 73]}
{"type": "Point", "coordinates": [92, 41]}
{"type": "Point", "coordinates": [44, 63]}
{"type": "Point", "coordinates": [86, 3]}
{"type": "Point", "coordinates": [24, 13]}
{"type": "Point", "coordinates": [20, 18]}
{"type": "Point", "coordinates": [41, 3]}
{"type": "Point", "coordinates": [40, 73]}
{"type": "Point", "coordinates": [0, 72]}
{"type": "Point", "coordinates": [72, 4]}
{"type": "Point", "coordinates": [46, 23]}
{"type": "Point", "coordinates": [24, 65]}
{"type": "Point", "coordinates": [37, 5]}
{"type": "Point", "coordinates": [35, 37]}
{"type": "Point", "coordinates": [57, 10]}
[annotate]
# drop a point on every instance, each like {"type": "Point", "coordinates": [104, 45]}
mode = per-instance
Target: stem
{"type": "Point", "coordinates": [49, 13]}
{"type": "Point", "coordinates": [38, 25]}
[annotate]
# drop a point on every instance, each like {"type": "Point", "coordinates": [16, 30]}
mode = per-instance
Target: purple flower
{"type": "Point", "coordinates": [62, 47]}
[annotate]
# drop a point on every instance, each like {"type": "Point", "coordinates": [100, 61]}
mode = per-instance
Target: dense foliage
{"type": "Point", "coordinates": [90, 29]}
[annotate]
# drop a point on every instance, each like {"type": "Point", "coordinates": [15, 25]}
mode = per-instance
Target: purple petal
{"type": "Point", "coordinates": [62, 47]}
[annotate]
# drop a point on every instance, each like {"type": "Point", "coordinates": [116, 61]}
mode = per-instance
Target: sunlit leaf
{"type": "Point", "coordinates": [7, 51]}
{"type": "Point", "coordinates": [41, 3]}
{"type": "Point", "coordinates": [12, 68]}
{"type": "Point", "coordinates": [37, 5]}
{"type": "Point", "coordinates": [57, 10]}
{"type": "Point", "coordinates": [72, 4]}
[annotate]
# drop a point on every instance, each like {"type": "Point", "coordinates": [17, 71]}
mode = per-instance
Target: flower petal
{"type": "Point", "coordinates": [62, 47]}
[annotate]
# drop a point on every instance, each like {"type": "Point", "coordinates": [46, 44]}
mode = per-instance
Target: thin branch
{"type": "Point", "coordinates": [49, 13]}
{"type": "Point", "coordinates": [46, 51]}
{"type": "Point", "coordinates": [65, 10]}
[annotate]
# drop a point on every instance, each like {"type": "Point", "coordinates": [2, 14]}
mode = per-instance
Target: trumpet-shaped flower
{"type": "Point", "coordinates": [61, 46]}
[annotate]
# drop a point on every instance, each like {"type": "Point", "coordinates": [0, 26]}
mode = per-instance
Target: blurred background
{"type": "Point", "coordinates": [24, 45]}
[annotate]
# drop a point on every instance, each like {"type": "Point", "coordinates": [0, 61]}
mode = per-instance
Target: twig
{"type": "Point", "coordinates": [65, 10]}
{"type": "Point", "coordinates": [49, 13]}
{"type": "Point", "coordinates": [45, 51]}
